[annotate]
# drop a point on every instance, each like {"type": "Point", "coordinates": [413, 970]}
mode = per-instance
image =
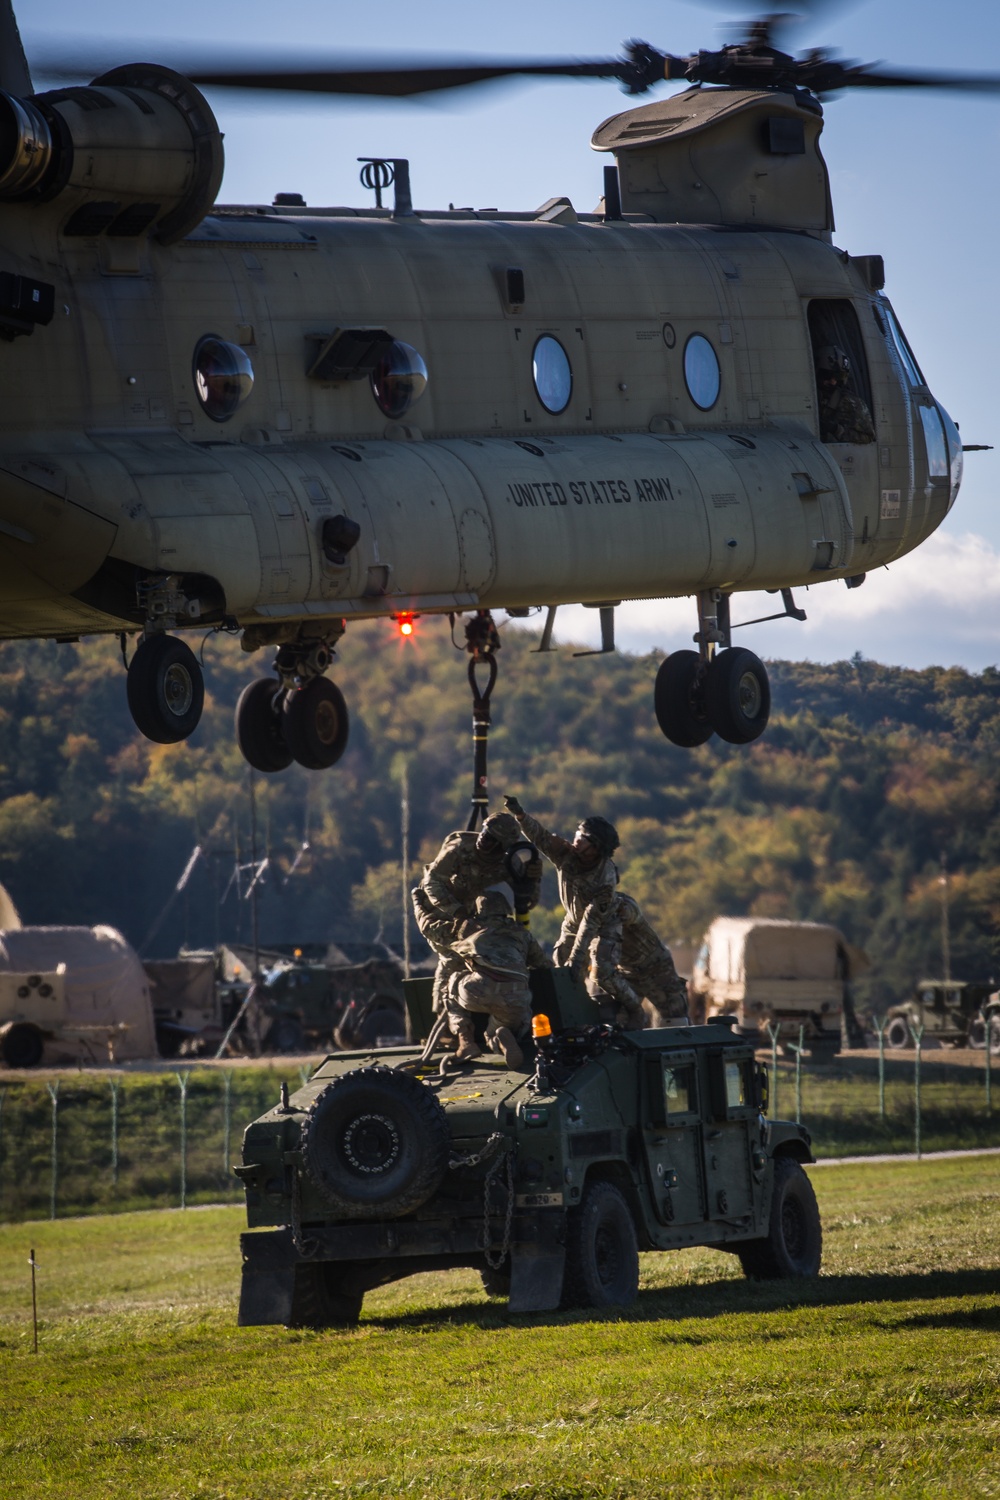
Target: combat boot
{"type": "Point", "coordinates": [503, 1040]}
{"type": "Point", "coordinates": [467, 1051]}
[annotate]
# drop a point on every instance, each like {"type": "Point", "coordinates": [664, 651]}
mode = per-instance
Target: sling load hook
{"type": "Point", "coordinates": [482, 641]}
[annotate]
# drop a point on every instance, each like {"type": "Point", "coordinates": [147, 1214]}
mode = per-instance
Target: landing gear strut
{"type": "Point", "coordinates": [297, 714]}
{"type": "Point", "coordinates": [710, 691]}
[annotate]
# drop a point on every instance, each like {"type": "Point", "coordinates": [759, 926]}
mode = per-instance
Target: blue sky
{"type": "Point", "coordinates": [914, 178]}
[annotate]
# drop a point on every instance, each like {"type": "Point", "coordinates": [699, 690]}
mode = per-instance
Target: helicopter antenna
{"type": "Point", "coordinates": [14, 75]}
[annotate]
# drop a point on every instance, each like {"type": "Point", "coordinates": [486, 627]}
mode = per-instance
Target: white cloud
{"type": "Point", "coordinates": [938, 606]}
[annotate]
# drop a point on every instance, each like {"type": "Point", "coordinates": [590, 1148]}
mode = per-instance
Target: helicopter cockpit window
{"type": "Point", "coordinates": [552, 374]}
{"type": "Point", "coordinates": [843, 385]}
{"type": "Point", "coordinates": [906, 359]}
{"type": "Point", "coordinates": [223, 377]}
{"type": "Point", "coordinates": [399, 379]}
{"type": "Point", "coordinates": [937, 448]}
{"type": "Point", "coordinates": [701, 372]}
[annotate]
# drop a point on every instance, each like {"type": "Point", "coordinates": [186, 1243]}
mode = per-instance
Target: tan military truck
{"type": "Point", "coordinates": [779, 973]}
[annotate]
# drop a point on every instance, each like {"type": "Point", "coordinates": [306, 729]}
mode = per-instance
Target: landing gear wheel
{"type": "Point", "coordinates": [316, 725]}
{"type": "Point", "coordinates": [679, 700]}
{"type": "Point", "coordinates": [897, 1034]}
{"type": "Point", "coordinates": [165, 689]}
{"type": "Point", "coordinates": [602, 1252]}
{"type": "Point", "coordinates": [21, 1045]}
{"type": "Point", "coordinates": [794, 1242]}
{"type": "Point", "coordinates": [375, 1144]}
{"type": "Point", "coordinates": [738, 695]}
{"type": "Point", "coordinates": [260, 728]}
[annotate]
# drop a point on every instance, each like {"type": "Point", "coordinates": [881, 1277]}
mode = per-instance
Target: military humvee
{"type": "Point", "coordinates": [548, 1181]}
{"type": "Point", "coordinates": [950, 1010]}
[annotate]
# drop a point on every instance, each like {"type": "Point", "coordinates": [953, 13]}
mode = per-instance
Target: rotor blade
{"type": "Point", "coordinates": [868, 78]}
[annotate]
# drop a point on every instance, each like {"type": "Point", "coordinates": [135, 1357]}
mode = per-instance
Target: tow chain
{"type": "Point", "coordinates": [495, 1262]}
{"type": "Point", "coordinates": [482, 641]}
{"type": "Point", "coordinates": [306, 1248]}
{"type": "Point", "coordinates": [475, 1157]}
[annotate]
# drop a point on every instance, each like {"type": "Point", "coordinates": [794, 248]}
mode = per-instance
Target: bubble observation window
{"type": "Point", "coordinates": [223, 377]}
{"type": "Point", "coordinates": [399, 379]}
{"type": "Point", "coordinates": [701, 372]}
{"type": "Point", "coordinates": [552, 374]}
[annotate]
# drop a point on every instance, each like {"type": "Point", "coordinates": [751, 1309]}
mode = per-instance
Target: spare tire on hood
{"type": "Point", "coordinates": [375, 1144]}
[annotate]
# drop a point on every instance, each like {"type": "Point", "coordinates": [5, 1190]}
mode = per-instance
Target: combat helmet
{"type": "Point", "coordinates": [602, 834]}
{"type": "Point", "coordinates": [493, 904]}
{"type": "Point", "coordinates": [832, 362]}
{"type": "Point", "coordinates": [499, 831]}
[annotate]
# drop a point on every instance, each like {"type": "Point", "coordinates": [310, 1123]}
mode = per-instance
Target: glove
{"type": "Point", "coordinates": [513, 806]}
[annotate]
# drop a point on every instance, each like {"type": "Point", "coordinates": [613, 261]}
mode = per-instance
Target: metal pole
{"type": "Point", "coordinates": [227, 1121]}
{"type": "Point", "coordinates": [3, 1095]}
{"type": "Point", "coordinates": [989, 1053]}
{"type": "Point", "coordinates": [182, 1080]}
{"type": "Point", "coordinates": [798, 1075]}
{"type": "Point", "coordinates": [918, 1037]}
{"type": "Point", "coordinates": [253, 866]}
{"type": "Point", "coordinates": [34, 1300]}
{"type": "Point", "coordinates": [53, 1089]}
{"type": "Point", "coordinates": [114, 1133]}
{"type": "Point", "coordinates": [945, 927]}
{"type": "Point", "coordinates": [774, 1033]}
{"type": "Point", "coordinates": [404, 840]}
{"type": "Point", "coordinates": [880, 1024]}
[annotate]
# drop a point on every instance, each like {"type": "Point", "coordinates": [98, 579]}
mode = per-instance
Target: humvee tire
{"type": "Point", "coordinates": [323, 1296]}
{"type": "Point", "coordinates": [602, 1251]}
{"type": "Point", "coordinates": [22, 1045]}
{"type": "Point", "coordinates": [794, 1242]}
{"type": "Point", "coordinates": [375, 1144]}
{"type": "Point", "coordinates": [897, 1033]}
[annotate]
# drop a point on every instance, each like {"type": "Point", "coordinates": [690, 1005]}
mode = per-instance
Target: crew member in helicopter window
{"type": "Point", "coordinates": [843, 415]}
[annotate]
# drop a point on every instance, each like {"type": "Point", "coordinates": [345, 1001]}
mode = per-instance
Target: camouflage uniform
{"type": "Point", "coordinates": [580, 883]}
{"type": "Point", "coordinates": [496, 957]}
{"type": "Point", "coordinates": [597, 950]}
{"type": "Point", "coordinates": [843, 416]}
{"type": "Point", "coordinates": [467, 864]}
{"type": "Point", "coordinates": [645, 962]}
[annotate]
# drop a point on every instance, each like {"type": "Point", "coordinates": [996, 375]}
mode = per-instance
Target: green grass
{"type": "Point", "coordinates": [881, 1377]}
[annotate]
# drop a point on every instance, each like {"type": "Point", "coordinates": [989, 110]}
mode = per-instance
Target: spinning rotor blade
{"type": "Point", "coordinates": [397, 83]}
{"type": "Point", "coordinates": [869, 78]}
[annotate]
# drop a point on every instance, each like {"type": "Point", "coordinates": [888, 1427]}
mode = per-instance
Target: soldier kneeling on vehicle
{"type": "Point", "coordinates": [496, 957]}
{"type": "Point", "coordinates": [628, 966]}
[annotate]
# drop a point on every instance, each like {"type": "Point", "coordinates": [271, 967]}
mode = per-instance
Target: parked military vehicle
{"type": "Point", "coordinates": [949, 1010]}
{"type": "Point", "coordinates": [549, 1181]}
{"type": "Point", "coordinates": [780, 974]}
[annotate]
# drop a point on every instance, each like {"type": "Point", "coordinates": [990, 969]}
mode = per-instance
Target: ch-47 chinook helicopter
{"type": "Point", "coordinates": [283, 419]}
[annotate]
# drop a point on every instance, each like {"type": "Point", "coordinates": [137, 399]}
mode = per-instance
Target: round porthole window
{"type": "Point", "coordinates": [399, 379]}
{"type": "Point", "coordinates": [223, 377]}
{"type": "Point", "coordinates": [553, 377]}
{"type": "Point", "coordinates": [701, 372]}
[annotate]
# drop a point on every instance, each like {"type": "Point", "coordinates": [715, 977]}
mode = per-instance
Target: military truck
{"type": "Point", "coordinates": [549, 1181]}
{"type": "Point", "coordinates": [783, 974]}
{"type": "Point", "coordinates": [950, 1010]}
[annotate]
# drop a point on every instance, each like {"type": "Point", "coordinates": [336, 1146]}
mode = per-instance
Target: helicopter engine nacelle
{"type": "Point", "coordinates": [137, 151]}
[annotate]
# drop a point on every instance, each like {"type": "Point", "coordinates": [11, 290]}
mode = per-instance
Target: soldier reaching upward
{"type": "Point", "coordinates": [466, 865]}
{"type": "Point", "coordinates": [585, 868]}
{"type": "Point", "coordinates": [496, 955]}
{"type": "Point", "coordinates": [645, 963]}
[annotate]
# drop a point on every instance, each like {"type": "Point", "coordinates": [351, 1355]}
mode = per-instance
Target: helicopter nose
{"type": "Point", "coordinates": [48, 547]}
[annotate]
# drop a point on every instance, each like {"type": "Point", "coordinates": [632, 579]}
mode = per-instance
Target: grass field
{"type": "Point", "coordinates": [880, 1377]}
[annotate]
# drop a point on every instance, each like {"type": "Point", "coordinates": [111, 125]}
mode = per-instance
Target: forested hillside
{"type": "Point", "coordinates": [865, 775]}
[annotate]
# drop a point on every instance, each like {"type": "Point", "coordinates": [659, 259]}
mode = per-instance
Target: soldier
{"type": "Point", "coordinates": [585, 868]}
{"type": "Point", "coordinates": [444, 900]}
{"type": "Point", "coordinates": [645, 961]}
{"type": "Point", "coordinates": [843, 416]}
{"type": "Point", "coordinates": [496, 956]}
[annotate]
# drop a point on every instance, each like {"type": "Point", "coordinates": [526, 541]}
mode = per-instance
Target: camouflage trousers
{"type": "Point", "coordinates": [606, 981]}
{"type": "Point", "coordinates": [506, 1002]}
{"type": "Point", "coordinates": [662, 989]}
{"type": "Point", "coordinates": [439, 932]}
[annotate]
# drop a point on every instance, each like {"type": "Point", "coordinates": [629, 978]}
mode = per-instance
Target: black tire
{"type": "Point", "coordinates": [679, 700]}
{"type": "Point", "coordinates": [260, 731]}
{"type": "Point", "coordinates": [22, 1046]}
{"type": "Point", "coordinates": [375, 1144]}
{"type": "Point", "coordinates": [316, 724]}
{"type": "Point", "coordinates": [285, 1034]}
{"type": "Point", "coordinates": [794, 1243]}
{"type": "Point", "coordinates": [165, 689]}
{"type": "Point", "coordinates": [897, 1034]}
{"type": "Point", "coordinates": [602, 1252]}
{"type": "Point", "coordinates": [384, 1019]}
{"type": "Point", "coordinates": [324, 1297]}
{"type": "Point", "coordinates": [496, 1279]}
{"type": "Point", "coordinates": [737, 695]}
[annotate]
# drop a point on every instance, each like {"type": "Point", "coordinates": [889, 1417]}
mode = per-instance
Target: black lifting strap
{"type": "Point", "coordinates": [482, 641]}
